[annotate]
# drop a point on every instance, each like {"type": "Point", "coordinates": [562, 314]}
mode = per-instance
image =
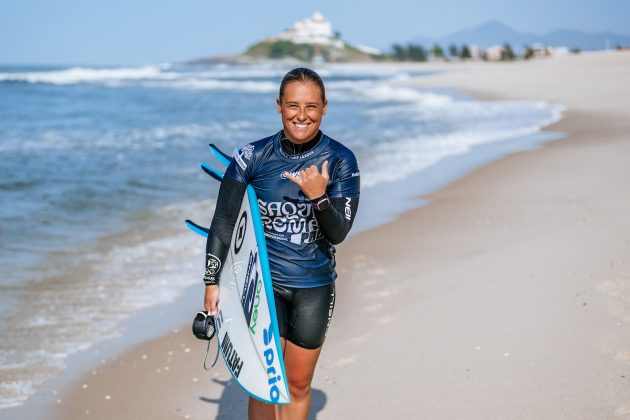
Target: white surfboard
{"type": "Point", "coordinates": [247, 326]}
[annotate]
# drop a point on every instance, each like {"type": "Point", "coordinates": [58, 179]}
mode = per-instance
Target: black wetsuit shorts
{"type": "Point", "coordinates": [304, 314]}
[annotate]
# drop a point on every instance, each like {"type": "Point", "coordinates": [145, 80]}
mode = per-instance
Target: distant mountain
{"type": "Point", "coordinates": [497, 33]}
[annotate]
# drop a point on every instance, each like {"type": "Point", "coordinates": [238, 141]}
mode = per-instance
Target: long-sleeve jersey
{"type": "Point", "coordinates": [300, 240]}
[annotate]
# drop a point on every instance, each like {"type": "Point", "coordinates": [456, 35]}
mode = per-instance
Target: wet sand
{"type": "Point", "coordinates": [508, 296]}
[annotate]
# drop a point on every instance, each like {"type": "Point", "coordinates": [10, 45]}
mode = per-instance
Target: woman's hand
{"type": "Point", "coordinates": [312, 183]}
{"type": "Point", "coordinates": [211, 299]}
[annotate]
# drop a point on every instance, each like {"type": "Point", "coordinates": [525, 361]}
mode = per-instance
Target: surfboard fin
{"type": "Point", "coordinates": [218, 175]}
{"type": "Point", "coordinates": [200, 230]}
{"type": "Point", "coordinates": [224, 158]}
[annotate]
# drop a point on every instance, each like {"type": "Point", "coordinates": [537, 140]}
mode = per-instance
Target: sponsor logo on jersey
{"type": "Point", "coordinates": [232, 359]}
{"type": "Point", "coordinates": [245, 152]}
{"type": "Point", "coordinates": [250, 286]}
{"type": "Point", "coordinates": [354, 174]}
{"type": "Point", "coordinates": [348, 209]}
{"type": "Point", "coordinates": [290, 221]}
{"type": "Point", "coordinates": [295, 174]}
{"type": "Point", "coordinates": [296, 157]}
{"type": "Point", "coordinates": [270, 356]}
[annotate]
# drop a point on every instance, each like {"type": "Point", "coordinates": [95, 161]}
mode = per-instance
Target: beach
{"type": "Point", "coordinates": [506, 296]}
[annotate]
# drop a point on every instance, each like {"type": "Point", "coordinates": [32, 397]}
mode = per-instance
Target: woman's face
{"type": "Point", "coordinates": [302, 111]}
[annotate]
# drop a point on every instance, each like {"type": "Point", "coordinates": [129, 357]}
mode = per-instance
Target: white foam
{"type": "Point", "coordinates": [384, 91]}
{"type": "Point", "coordinates": [14, 393]}
{"type": "Point", "coordinates": [153, 77]}
{"type": "Point", "coordinates": [398, 159]}
{"type": "Point", "coordinates": [89, 75]}
{"type": "Point", "coordinates": [123, 138]}
{"type": "Point", "coordinates": [215, 84]}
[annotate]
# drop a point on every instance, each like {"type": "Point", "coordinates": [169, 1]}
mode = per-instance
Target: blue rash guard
{"type": "Point", "coordinates": [300, 255]}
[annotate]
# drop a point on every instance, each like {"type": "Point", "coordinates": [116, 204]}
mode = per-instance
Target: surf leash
{"type": "Point", "coordinates": [204, 329]}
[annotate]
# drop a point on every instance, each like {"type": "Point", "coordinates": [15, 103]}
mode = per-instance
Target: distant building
{"type": "Point", "coordinates": [312, 39]}
{"type": "Point", "coordinates": [316, 30]}
{"type": "Point", "coordinates": [495, 53]}
{"type": "Point", "coordinates": [559, 51]}
{"type": "Point", "coordinates": [369, 50]}
{"type": "Point", "coordinates": [540, 50]}
{"type": "Point", "coordinates": [475, 52]}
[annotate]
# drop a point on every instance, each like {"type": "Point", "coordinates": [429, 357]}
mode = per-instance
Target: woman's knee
{"type": "Point", "coordinates": [300, 388]}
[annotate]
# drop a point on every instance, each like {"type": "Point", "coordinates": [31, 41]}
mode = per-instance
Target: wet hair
{"type": "Point", "coordinates": [302, 74]}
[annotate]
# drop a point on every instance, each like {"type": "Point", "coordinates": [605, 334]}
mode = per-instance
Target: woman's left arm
{"type": "Point", "coordinates": [334, 215]}
{"type": "Point", "coordinates": [336, 219]}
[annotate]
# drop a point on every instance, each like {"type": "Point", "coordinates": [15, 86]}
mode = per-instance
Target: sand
{"type": "Point", "coordinates": [508, 296]}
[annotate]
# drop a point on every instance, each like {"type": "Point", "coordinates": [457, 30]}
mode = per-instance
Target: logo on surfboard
{"type": "Point", "coordinates": [241, 228]}
{"type": "Point", "coordinates": [232, 359]}
{"type": "Point", "coordinates": [249, 288]}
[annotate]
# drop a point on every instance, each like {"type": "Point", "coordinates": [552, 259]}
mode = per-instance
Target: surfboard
{"type": "Point", "coordinates": [246, 322]}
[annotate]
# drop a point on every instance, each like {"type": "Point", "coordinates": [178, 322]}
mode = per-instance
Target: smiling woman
{"type": "Point", "coordinates": [308, 192]}
{"type": "Point", "coordinates": [302, 105]}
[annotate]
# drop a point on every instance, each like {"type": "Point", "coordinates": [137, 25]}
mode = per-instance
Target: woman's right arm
{"type": "Point", "coordinates": [219, 237]}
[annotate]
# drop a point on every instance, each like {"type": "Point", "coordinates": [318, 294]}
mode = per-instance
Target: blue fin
{"type": "Point", "coordinates": [197, 229]}
{"type": "Point", "coordinates": [218, 175]}
{"type": "Point", "coordinates": [225, 159]}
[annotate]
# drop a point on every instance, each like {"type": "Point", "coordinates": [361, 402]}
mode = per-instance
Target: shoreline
{"type": "Point", "coordinates": [343, 358]}
{"type": "Point", "coordinates": [104, 354]}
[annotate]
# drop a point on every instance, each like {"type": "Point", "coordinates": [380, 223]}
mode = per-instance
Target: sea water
{"type": "Point", "coordinates": [99, 168]}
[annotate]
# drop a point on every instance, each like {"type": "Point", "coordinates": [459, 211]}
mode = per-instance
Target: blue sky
{"type": "Point", "coordinates": [132, 32]}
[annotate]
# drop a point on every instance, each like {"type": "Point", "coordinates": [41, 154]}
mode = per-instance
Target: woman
{"type": "Point", "coordinates": [308, 193]}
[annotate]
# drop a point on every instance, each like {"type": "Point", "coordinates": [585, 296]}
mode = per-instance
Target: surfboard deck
{"type": "Point", "coordinates": [247, 326]}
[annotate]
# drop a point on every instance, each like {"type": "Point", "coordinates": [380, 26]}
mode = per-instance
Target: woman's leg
{"type": "Point", "coordinates": [300, 367]}
{"type": "Point", "coordinates": [303, 317]}
{"type": "Point", "coordinates": [258, 410]}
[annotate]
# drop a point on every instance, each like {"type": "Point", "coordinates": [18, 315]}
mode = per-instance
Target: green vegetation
{"type": "Point", "coordinates": [508, 53]}
{"type": "Point", "coordinates": [453, 51]}
{"type": "Point", "coordinates": [348, 53]}
{"type": "Point", "coordinates": [437, 51]}
{"type": "Point", "coordinates": [465, 53]}
{"type": "Point", "coordinates": [281, 49]}
{"type": "Point", "coordinates": [307, 52]}
{"type": "Point", "coordinates": [416, 52]}
{"type": "Point", "coordinates": [411, 52]}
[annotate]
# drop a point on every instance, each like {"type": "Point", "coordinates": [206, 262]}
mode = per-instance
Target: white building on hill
{"type": "Point", "coordinates": [316, 30]}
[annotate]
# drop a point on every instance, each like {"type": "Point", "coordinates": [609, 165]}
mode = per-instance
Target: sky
{"type": "Point", "coordinates": [136, 32]}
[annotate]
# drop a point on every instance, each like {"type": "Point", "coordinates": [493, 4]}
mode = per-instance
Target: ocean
{"type": "Point", "coordinates": [100, 166]}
